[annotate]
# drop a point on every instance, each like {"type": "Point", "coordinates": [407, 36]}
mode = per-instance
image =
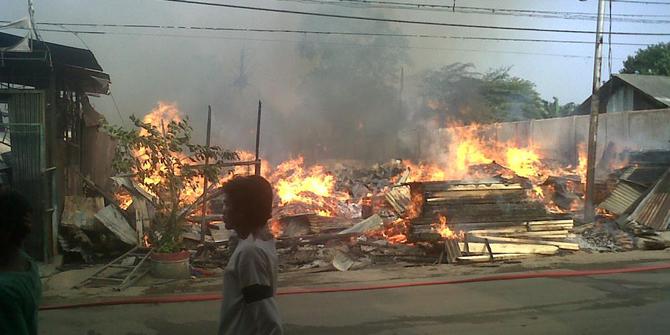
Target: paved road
{"type": "Point", "coordinates": [636, 303]}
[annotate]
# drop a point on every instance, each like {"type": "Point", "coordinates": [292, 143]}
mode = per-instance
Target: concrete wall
{"type": "Point", "coordinates": [559, 138]}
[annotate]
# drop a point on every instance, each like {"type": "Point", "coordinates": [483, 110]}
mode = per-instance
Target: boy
{"type": "Point", "coordinates": [250, 278]}
{"type": "Point", "coordinates": [20, 287]}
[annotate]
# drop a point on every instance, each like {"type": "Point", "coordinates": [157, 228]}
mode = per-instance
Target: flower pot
{"type": "Point", "coordinates": [174, 265]}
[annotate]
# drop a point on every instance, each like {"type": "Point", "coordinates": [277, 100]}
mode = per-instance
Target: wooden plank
{"type": "Point", "coordinates": [452, 250]}
{"type": "Point", "coordinates": [552, 233]}
{"type": "Point", "coordinates": [487, 258]}
{"type": "Point", "coordinates": [142, 219]}
{"type": "Point", "coordinates": [509, 248]}
{"type": "Point", "coordinates": [561, 245]}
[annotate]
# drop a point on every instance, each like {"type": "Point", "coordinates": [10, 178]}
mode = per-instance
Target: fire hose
{"type": "Point", "coordinates": [218, 296]}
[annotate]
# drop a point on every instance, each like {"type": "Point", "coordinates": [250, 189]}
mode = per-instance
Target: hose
{"type": "Point", "coordinates": [218, 296]}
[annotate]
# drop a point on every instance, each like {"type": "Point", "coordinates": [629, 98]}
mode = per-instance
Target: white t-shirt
{"type": "Point", "coordinates": [254, 262]}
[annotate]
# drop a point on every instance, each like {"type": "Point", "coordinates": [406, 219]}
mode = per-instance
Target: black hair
{"type": "Point", "coordinates": [251, 196]}
{"type": "Point", "coordinates": [14, 208]}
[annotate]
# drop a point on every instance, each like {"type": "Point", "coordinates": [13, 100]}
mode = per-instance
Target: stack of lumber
{"type": "Point", "coordinates": [471, 205]}
{"type": "Point", "coordinates": [518, 241]}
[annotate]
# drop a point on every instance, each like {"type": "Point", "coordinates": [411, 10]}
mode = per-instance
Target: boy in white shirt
{"type": "Point", "coordinates": [250, 278]}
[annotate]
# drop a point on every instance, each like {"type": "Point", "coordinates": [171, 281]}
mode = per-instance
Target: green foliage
{"type": "Point", "coordinates": [169, 165]}
{"type": "Point", "coordinates": [652, 60]}
{"type": "Point", "coordinates": [457, 93]}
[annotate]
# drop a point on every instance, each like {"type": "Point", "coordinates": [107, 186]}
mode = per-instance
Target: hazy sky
{"type": "Point", "coordinates": [197, 68]}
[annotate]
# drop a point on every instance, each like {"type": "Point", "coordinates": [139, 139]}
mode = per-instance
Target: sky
{"type": "Point", "coordinates": [197, 68]}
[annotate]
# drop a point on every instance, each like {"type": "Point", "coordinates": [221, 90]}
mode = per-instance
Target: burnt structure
{"type": "Point", "coordinates": [49, 117]}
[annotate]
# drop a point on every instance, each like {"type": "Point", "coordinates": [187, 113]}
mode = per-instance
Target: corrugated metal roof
{"type": "Point", "coordinates": [643, 175]}
{"type": "Point", "coordinates": [654, 209]}
{"type": "Point", "coordinates": [624, 196]}
{"type": "Point", "coordinates": [657, 87]}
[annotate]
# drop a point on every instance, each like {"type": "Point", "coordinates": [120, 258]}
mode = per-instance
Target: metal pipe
{"type": "Point", "coordinates": [589, 208]}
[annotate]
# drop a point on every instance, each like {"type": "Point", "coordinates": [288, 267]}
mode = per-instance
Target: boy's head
{"type": "Point", "coordinates": [248, 204]}
{"type": "Point", "coordinates": [14, 221]}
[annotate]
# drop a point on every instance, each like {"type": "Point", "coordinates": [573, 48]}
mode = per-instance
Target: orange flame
{"type": "Point", "coordinates": [445, 232]}
{"type": "Point", "coordinates": [123, 198]}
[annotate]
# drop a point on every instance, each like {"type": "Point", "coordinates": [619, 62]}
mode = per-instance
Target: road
{"type": "Point", "coordinates": [634, 303]}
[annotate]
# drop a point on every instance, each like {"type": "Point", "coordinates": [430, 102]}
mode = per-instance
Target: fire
{"type": "Point", "coordinates": [311, 186]}
{"type": "Point", "coordinates": [395, 232]}
{"type": "Point", "coordinates": [581, 166]}
{"type": "Point", "coordinates": [524, 162]}
{"type": "Point", "coordinates": [147, 244]}
{"type": "Point", "coordinates": [297, 181]}
{"type": "Point", "coordinates": [160, 117]}
{"type": "Point", "coordinates": [445, 232]}
{"type": "Point", "coordinates": [123, 198]}
{"type": "Point", "coordinates": [275, 228]}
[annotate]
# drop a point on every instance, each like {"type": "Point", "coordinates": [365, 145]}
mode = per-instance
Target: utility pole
{"type": "Point", "coordinates": [257, 170]}
{"type": "Point", "coordinates": [203, 222]}
{"type": "Point", "coordinates": [589, 208]}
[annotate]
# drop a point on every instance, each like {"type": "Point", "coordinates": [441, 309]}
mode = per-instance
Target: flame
{"type": "Point", "coordinates": [275, 228]}
{"type": "Point", "coordinates": [445, 232]}
{"type": "Point", "coordinates": [524, 162]}
{"type": "Point", "coordinates": [123, 198]}
{"type": "Point", "coordinates": [312, 187]}
{"type": "Point", "coordinates": [160, 117]}
{"type": "Point", "coordinates": [147, 244]}
{"type": "Point", "coordinates": [581, 166]}
{"type": "Point", "coordinates": [415, 206]}
{"type": "Point", "coordinates": [395, 232]}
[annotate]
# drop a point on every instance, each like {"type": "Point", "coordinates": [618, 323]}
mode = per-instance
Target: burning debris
{"type": "Point", "coordinates": [476, 201]}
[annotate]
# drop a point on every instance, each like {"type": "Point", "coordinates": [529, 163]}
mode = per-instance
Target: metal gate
{"type": "Point", "coordinates": [30, 175]}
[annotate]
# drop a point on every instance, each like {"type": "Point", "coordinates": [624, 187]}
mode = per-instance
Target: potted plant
{"type": "Point", "coordinates": [164, 163]}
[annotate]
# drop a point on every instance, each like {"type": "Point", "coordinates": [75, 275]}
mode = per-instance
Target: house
{"type": "Point", "coordinates": [48, 127]}
{"type": "Point", "coordinates": [631, 92]}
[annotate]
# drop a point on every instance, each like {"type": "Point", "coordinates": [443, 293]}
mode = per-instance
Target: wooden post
{"type": "Point", "coordinates": [203, 222]}
{"type": "Point", "coordinates": [589, 206]}
{"type": "Point", "coordinates": [258, 141]}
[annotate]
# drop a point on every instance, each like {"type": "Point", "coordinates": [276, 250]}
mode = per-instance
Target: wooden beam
{"type": "Point", "coordinates": [561, 245]}
{"type": "Point", "coordinates": [508, 248]}
{"type": "Point", "coordinates": [487, 258]}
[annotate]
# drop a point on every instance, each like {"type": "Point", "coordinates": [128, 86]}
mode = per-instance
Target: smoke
{"type": "Point", "coordinates": [342, 100]}
{"type": "Point", "coordinates": [323, 96]}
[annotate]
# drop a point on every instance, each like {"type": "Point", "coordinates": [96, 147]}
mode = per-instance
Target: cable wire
{"type": "Point", "coordinates": [636, 18]}
{"type": "Point", "coordinates": [429, 23]}
{"type": "Point", "coordinates": [307, 32]}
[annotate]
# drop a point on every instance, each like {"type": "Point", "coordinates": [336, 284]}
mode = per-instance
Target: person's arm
{"type": "Point", "coordinates": [255, 275]}
{"type": "Point", "coordinates": [11, 316]}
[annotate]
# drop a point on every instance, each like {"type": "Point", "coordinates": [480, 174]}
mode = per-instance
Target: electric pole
{"type": "Point", "coordinates": [589, 207]}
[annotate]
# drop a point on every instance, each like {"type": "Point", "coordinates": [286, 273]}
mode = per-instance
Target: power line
{"type": "Point", "coordinates": [308, 32]}
{"type": "Point", "coordinates": [339, 43]}
{"type": "Point", "coordinates": [643, 2]}
{"type": "Point", "coordinates": [430, 23]}
{"type": "Point", "coordinates": [321, 42]}
{"type": "Point", "coordinates": [635, 18]}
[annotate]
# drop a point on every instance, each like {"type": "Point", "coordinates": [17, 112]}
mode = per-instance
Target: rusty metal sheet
{"type": "Point", "coordinates": [623, 198]}
{"type": "Point", "coordinates": [654, 209]}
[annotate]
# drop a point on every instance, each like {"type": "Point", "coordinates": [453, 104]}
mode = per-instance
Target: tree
{"type": "Point", "coordinates": [453, 94]}
{"type": "Point", "coordinates": [555, 109]}
{"type": "Point", "coordinates": [457, 93]}
{"type": "Point", "coordinates": [511, 98]}
{"type": "Point", "coordinates": [164, 162]}
{"type": "Point", "coordinates": [652, 60]}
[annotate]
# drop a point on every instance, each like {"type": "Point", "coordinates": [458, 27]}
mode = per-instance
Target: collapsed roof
{"type": "Point", "coordinates": [73, 69]}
